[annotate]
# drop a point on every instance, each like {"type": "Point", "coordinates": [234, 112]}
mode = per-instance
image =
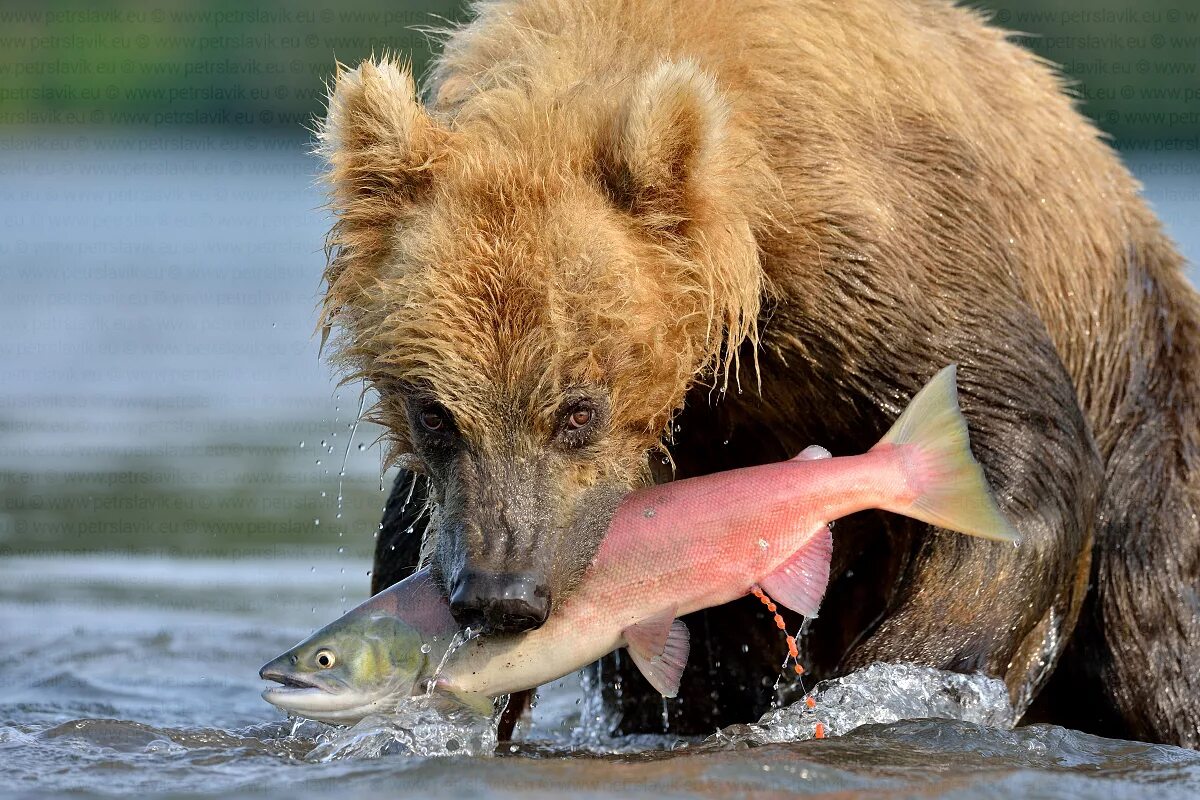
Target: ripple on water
{"type": "Point", "coordinates": [142, 702]}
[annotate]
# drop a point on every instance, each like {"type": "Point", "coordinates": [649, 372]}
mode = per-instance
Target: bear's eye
{"type": "Point", "coordinates": [579, 423]}
{"type": "Point", "coordinates": [433, 420]}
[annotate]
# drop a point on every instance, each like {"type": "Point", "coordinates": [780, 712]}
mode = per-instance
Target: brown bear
{"type": "Point", "coordinates": [628, 240]}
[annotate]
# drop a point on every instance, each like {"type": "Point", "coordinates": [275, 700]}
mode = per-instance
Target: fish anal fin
{"type": "Point", "coordinates": [659, 646]}
{"type": "Point", "coordinates": [800, 583]}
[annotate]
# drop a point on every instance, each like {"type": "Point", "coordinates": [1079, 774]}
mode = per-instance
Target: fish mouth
{"type": "Point", "coordinates": [288, 682]}
{"type": "Point", "coordinates": [334, 705]}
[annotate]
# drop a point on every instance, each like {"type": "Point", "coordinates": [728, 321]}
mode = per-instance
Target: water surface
{"type": "Point", "coordinates": [136, 676]}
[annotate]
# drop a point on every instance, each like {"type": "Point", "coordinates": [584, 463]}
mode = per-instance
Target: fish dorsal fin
{"type": "Point", "coordinates": [812, 453]}
{"type": "Point", "coordinates": [800, 583]}
{"type": "Point", "coordinates": [659, 646]}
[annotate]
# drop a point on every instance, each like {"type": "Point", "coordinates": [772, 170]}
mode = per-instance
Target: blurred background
{"type": "Point", "coordinates": [161, 393]}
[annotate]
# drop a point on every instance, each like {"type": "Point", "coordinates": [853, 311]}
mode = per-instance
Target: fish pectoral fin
{"type": "Point", "coordinates": [450, 698]}
{"type": "Point", "coordinates": [659, 646]}
{"type": "Point", "coordinates": [800, 583]}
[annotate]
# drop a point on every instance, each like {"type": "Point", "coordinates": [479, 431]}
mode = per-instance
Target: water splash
{"type": "Point", "coordinates": [419, 726]}
{"type": "Point", "coordinates": [456, 641]}
{"type": "Point", "coordinates": [880, 693]}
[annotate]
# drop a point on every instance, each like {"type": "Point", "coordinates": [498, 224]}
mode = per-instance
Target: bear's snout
{"type": "Point", "coordinates": [500, 602]}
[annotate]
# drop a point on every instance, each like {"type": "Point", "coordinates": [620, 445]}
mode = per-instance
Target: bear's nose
{"type": "Point", "coordinates": [499, 602]}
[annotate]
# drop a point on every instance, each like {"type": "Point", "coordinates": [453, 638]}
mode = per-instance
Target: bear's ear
{"type": "Point", "coordinates": [381, 147]}
{"type": "Point", "coordinates": [377, 138]}
{"type": "Point", "coordinates": [663, 145]}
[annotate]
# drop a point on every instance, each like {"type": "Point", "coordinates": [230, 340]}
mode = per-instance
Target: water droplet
{"type": "Point", "coordinates": [425, 648]}
{"type": "Point", "coordinates": [324, 443]}
{"type": "Point", "coordinates": [649, 512]}
{"type": "Point", "coordinates": [763, 544]}
{"type": "Point", "coordinates": [341, 550]}
{"type": "Point", "coordinates": [318, 462]}
{"type": "Point", "coordinates": [301, 443]}
{"type": "Point", "coordinates": [317, 521]}
{"type": "Point", "coordinates": [322, 493]}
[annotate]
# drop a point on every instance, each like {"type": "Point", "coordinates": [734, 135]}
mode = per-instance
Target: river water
{"type": "Point", "coordinates": [136, 676]}
{"type": "Point", "coordinates": [173, 512]}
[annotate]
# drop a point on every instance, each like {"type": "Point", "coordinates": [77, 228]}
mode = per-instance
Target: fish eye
{"type": "Point", "coordinates": [326, 659]}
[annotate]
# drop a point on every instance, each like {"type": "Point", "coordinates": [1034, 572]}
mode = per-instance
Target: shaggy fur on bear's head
{"type": "Point", "coordinates": [508, 262]}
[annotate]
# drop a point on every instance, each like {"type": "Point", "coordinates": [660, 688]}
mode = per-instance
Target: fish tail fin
{"type": "Point", "coordinates": [951, 490]}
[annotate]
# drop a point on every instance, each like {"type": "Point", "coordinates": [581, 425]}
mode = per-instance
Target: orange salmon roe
{"type": "Point", "coordinates": [793, 648]}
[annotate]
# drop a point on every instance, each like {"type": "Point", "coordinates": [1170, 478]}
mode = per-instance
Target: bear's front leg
{"type": "Point", "coordinates": [972, 605]}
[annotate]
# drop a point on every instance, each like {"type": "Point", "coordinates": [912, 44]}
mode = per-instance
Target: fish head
{"type": "Point", "coordinates": [365, 662]}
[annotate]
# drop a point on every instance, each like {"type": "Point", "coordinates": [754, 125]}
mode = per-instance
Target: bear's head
{"type": "Point", "coordinates": [531, 279]}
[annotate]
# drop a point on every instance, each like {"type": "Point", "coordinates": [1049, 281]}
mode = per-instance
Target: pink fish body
{"type": "Point", "coordinates": [701, 542]}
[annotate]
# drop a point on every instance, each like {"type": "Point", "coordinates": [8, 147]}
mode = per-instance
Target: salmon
{"type": "Point", "coordinates": [671, 549]}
